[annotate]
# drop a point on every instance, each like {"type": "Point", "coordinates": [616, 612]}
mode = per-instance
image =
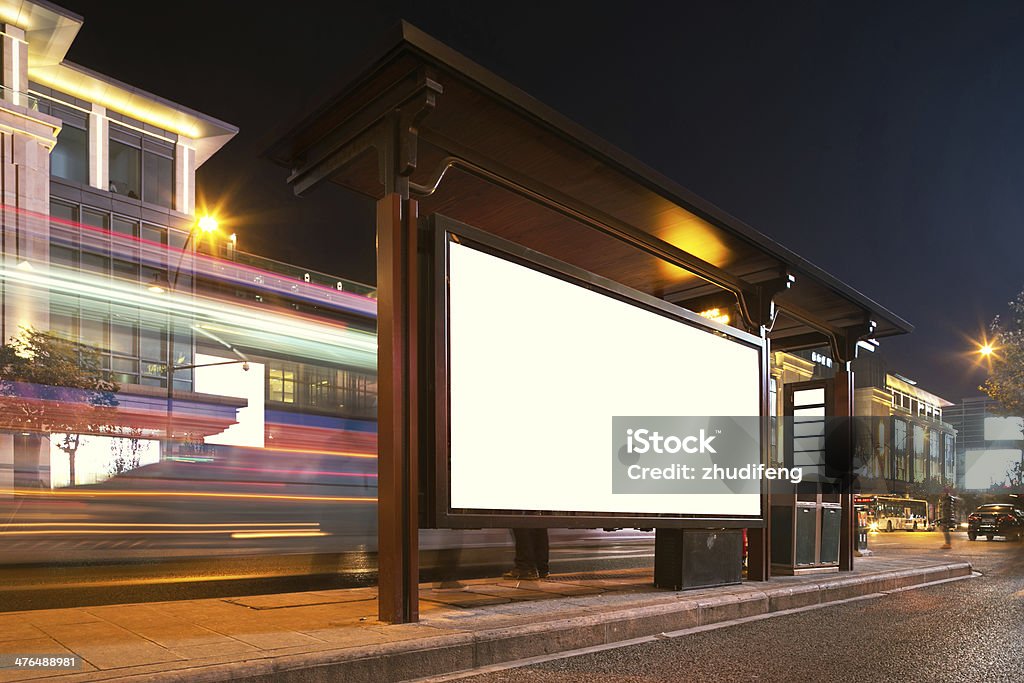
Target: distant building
{"type": "Point", "coordinates": [905, 444]}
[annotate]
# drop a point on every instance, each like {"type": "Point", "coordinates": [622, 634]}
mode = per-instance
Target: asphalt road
{"type": "Point", "coordinates": [970, 630]}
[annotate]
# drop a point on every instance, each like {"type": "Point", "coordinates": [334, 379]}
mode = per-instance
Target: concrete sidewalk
{"type": "Point", "coordinates": [334, 635]}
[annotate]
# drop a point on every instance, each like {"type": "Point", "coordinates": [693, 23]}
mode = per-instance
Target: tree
{"type": "Point", "coordinates": [126, 451]}
{"type": "Point", "coordinates": [51, 384]}
{"type": "Point", "coordinates": [1005, 383]}
{"type": "Point", "coordinates": [1015, 475]}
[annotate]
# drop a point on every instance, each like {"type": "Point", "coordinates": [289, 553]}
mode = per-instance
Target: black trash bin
{"type": "Point", "coordinates": [697, 558]}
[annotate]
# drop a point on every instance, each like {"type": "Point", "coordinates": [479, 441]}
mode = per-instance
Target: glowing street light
{"type": "Point", "coordinates": [986, 350]}
{"type": "Point", "coordinates": [208, 223]}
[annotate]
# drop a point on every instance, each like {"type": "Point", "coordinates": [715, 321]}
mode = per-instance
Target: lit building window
{"type": "Point", "coordinates": [281, 383]}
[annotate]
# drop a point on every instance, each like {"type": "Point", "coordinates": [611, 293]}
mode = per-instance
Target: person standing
{"type": "Point", "coordinates": [947, 517]}
{"type": "Point", "coordinates": [531, 560]}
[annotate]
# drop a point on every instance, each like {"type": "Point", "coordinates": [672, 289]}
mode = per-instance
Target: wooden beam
{"type": "Point", "coordinates": [397, 475]}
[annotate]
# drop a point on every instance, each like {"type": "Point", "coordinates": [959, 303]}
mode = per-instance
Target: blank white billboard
{"type": "Point", "coordinates": [1004, 429]}
{"type": "Point", "coordinates": [985, 467]}
{"type": "Point", "coordinates": [538, 368]}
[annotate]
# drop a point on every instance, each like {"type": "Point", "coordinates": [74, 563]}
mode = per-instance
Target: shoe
{"type": "Point", "coordinates": [945, 546]}
{"type": "Point", "coordinates": [542, 574]}
{"type": "Point", "coordinates": [521, 575]}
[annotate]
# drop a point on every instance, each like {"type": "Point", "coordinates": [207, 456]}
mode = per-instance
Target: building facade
{"type": "Point", "coordinates": [205, 343]}
{"type": "Point", "coordinates": [906, 445]}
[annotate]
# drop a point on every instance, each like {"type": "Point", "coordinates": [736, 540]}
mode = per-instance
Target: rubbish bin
{"type": "Point", "coordinates": [697, 558]}
{"type": "Point", "coordinates": [805, 534]}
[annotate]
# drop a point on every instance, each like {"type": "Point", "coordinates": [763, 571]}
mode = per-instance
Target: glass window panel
{"type": "Point", "coordinates": [63, 211]}
{"type": "Point", "coordinates": [149, 276]}
{"type": "Point", "coordinates": [319, 388]}
{"type": "Point", "coordinates": [62, 256]}
{"type": "Point", "coordinates": [126, 270]}
{"type": "Point", "coordinates": [920, 462]}
{"type": "Point", "coordinates": [882, 451]}
{"type": "Point", "coordinates": [158, 179]}
{"type": "Point", "coordinates": [70, 157]}
{"type": "Point", "coordinates": [125, 370]}
{"type": "Point", "coordinates": [124, 331]}
{"type": "Point", "coordinates": [124, 364]}
{"type": "Point", "coordinates": [95, 329]}
{"type": "Point", "coordinates": [950, 458]}
{"type": "Point", "coordinates": [95, 263]}
{"type": "Point", "coordinates": [124, 226]}
{"type": "Point", "coordinates": [182, 345]}
{"type": "Point", "coordinates": [899, 441]}
{"type": "Point", "coordinates": [95, 219]}
{"type": "Point", "coordinates": [153, 233]}
{"type": "Point", "coordinates": [153, 343]}
{"type": "Point", "coordinates": [125, 169]}
{"type": "Point", "coordinates": [357, 393]}
{"type": "Point", "coordinates": [64, 321]}
{"type": "Point", "coordinates": [281, 383]}
{"type": "Point", "coordinates": [177, 238]}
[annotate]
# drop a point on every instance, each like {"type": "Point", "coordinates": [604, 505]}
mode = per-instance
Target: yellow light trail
{"type": "Point", "coordinates": [276, 534]}
{"type": "Point", "coordinates": [305, 451]}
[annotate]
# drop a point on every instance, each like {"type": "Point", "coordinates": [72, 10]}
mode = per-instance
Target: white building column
{"type": "Point", "coordinates": [99, 156]}
{"type": "Point", "coordinates": [185, 176]}
{"type": "Point", "coordinates": [26, 139]}
{"type": "Point", "coordinates": [15, 65]}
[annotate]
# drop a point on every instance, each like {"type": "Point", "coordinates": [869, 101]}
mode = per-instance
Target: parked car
{"type": "Point", "coordinates": [996, 519]}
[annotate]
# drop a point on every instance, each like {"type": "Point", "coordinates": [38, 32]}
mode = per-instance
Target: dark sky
{"type": "Point", "coordinates": [881, 141]}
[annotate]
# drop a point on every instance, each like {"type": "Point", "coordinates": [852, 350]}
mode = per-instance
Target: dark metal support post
{"type": "Point", "coordinates": [844, 409]}
{"type": "Point", "coordinates": [759, 560]}
{"type": "Point", "coordinates": [397, 477]}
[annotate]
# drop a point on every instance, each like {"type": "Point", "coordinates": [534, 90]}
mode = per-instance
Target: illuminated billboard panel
{"type": "Point", "coordinates": [538, 367]}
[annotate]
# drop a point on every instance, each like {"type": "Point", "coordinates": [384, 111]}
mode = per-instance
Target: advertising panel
{"type": "Point", "coordinates": [568, 395]}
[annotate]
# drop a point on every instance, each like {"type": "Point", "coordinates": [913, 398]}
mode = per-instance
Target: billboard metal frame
{"type": "Point", "coordinates": [435, 416]}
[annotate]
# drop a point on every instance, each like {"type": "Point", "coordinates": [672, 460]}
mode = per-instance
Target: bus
{"type": "Point", "coordinates": [889, 513]}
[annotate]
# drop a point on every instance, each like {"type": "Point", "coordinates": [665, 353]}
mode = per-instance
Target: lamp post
{"type": "Point", "coordinates": [206, 225]}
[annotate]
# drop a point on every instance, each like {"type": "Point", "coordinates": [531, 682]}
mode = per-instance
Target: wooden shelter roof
{"type": "Point", "coordinates": [477, 149]}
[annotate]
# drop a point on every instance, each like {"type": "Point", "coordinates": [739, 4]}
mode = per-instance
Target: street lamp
{"type": "Point", "coordinates": [162, 284]}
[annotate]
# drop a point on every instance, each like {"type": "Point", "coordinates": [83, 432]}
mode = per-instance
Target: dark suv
{"type": "Point", "coordinates": [996, 519]}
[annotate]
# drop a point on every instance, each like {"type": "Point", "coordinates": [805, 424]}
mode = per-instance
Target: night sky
{"type": "Point", "coordinates": [881, 141]}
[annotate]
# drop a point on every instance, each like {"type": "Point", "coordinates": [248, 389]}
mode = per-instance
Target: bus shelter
{"type": "Point", "coordinates": [463, 165]}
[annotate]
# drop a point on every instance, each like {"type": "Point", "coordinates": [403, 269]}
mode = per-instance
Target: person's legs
{"type": "Point", "coordinates": [524, 549]}
{"type": "Point", "coordinates": [539, 542]}
{"type": "Point", "coordinates": [946, 535]}
{"type": "Point", "coordinates": [525, 563]}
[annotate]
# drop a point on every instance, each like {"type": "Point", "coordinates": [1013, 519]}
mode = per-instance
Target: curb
{"type": "Point", "coordinates": [450, 653]}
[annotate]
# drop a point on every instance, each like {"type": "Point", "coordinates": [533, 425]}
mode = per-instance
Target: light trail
{"type": "Point", "coordinates": [64, 493]}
